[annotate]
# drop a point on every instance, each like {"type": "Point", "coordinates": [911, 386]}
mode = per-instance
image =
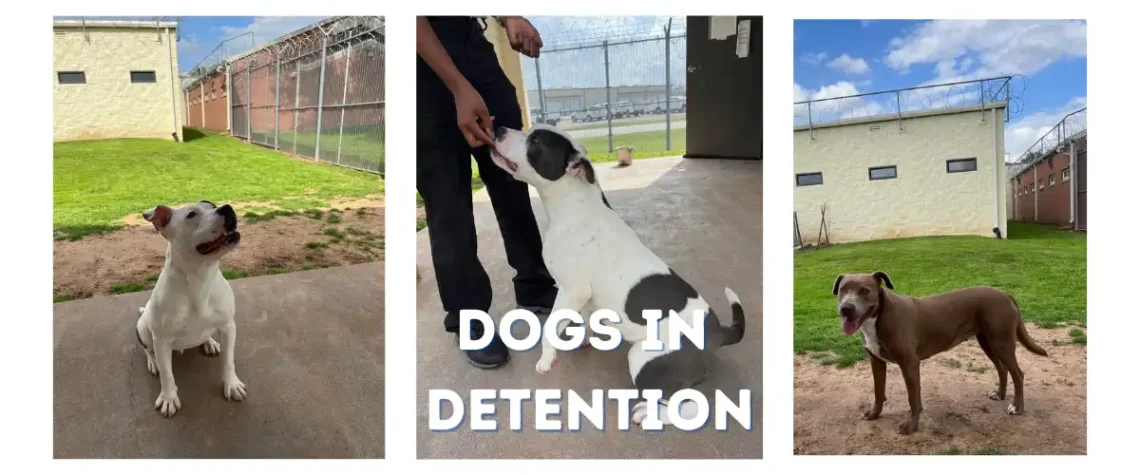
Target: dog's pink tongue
{"type": "Point", "coordinates": [850, 325]}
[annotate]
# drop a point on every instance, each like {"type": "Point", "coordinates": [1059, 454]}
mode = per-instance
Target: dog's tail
{"type": "Point", "coordinates": [1022, 333]}
{"type": "Point", "coordinates": [732, 334]}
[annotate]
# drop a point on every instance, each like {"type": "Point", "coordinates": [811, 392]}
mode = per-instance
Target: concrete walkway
{"type": "Point", "coordinates": [310, 350]}
{"type": "Point", "coordinates": [703, 217]}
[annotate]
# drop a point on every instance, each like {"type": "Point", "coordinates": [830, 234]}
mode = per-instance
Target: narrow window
{"type": "Point", "coordinates": [72, 77]}
{"type": "Point", "coordinates": [808, 179]}
{"type": "Point", "coordinates": [142, 77]}
{"type": "Point", "coordinates": [959, 165]}
{"type": "Point", "coordinates": [882, 173]}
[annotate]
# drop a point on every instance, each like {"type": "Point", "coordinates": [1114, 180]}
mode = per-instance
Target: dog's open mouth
{"type": "Point", "coordinates": [502, 162]}
{"type": "Point", "coordinates": [228, 238]}
{"type": "Point", "coordinates": [851, 324]}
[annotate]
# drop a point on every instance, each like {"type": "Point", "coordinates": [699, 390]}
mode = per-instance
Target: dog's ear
{"type": "Point", "coordinates": [581, 167]}
{"type": "Point", "coordinates": [159, 216]}
{"type": "Point", "coordinates": [835, 288]}
{"type": "Point", "coordinates": [884, 279]}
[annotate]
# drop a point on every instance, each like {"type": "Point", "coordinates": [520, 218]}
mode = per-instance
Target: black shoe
{"type": "Point", "coordinates": [493, 355]}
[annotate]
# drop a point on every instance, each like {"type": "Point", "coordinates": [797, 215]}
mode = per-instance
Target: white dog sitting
{"type": "Point", "coordinates": [594, 255]}
{"type": "Point", "coordinates": [191, 300]}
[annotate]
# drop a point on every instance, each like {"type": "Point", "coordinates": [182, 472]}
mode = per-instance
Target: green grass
{"type": "Point", "coordinates": [656, 119]}
{"type": "Point", "coordinates": [254, 217]}
{"type": "Point", "coordinates": [128, 288]}
{"type": "Point", "coordinates": [67, 297]}
{"type": "Point", "coordinates": [97, 182]}
{"type": "Point", "coordinates": [316, 245]}
{"type": "Point", "coordinates": [334, 232]}
{"type": "Point", "coordinates": [1078, 336]}
{"type": "Point", "coordinates": [334, 218]}
{"type": "Point", "coordinates": [231, 274]}
{"type": "Point", "coordinates": [1044, 269]}
{"type": "Point", "coordinates": [362, 149]}
{"type": "Point", "coordinates": [645, 145]}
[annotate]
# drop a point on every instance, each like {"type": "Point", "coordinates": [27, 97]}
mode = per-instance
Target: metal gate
{"type": "Point", "coordinates": [1082, 186]}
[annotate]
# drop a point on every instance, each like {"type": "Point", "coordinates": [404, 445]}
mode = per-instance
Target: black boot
{"type": "Point", "coordinates": [493, 355]}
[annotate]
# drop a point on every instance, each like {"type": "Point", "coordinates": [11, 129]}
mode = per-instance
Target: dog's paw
{"type": "Point", "coordinates": [151, 366]}
{"type": "Point", "coordinates": [907, 427]}
{"type": "Point", "coordinates": [233, 389]}
{"type": "Point", "coordinates": [211, 347]}
{"type": "Point", "coordinates": [168, 403]}
{"type": "Point", "coordinates": [995, 395]}
{"type": "Point", "coordinates": [1013, 410]}
{"type": "Point", "coordinates": [543, 366]}
{"type": "Point", "coordinates": [638, 413]}
{"type": "Point", "coordinates": [870, 415]}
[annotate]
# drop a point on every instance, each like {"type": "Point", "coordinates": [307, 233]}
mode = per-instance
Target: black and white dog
{"type": "Point", "coordinates": [594, 255]}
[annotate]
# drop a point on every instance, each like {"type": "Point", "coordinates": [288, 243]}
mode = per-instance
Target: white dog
{"type": "Point", "coordinates": [594, 255]}
{"type": "Point", "coordinates": [191, 300]}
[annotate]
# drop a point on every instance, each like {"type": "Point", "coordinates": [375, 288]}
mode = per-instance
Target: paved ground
{"type": "Point", "coordinates": [703, 217]}
{"type": "Point", "coordinates": [625, 129]}
{"type": "Point", "coordinates": [310, 351]}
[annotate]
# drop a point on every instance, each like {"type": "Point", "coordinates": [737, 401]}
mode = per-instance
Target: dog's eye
{"type": "Point", "coordinates": [192, 215]}
{"type": "Point", "coordinates": [864, 291]}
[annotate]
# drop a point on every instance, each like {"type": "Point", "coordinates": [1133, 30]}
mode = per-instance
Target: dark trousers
{"type": "Point", "coordinates": [443, 178]}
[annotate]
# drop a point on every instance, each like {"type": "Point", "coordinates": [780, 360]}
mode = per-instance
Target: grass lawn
{"type": "Point", "coordinates": [98, 182]}
{"type": "Point", "coordinates": [1044, 269]}
{"type": "Point", "coordinates": [645, 145]}
{"type": "Point", "coordinates": [358, 148]}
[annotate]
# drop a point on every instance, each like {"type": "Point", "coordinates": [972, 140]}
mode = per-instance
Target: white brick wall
{"type": "Point", "coordinates": [923, 200]}
{"type": "Point", "coordinates": [109, 105]}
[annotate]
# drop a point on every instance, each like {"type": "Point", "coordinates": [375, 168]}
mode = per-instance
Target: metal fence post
{"type": "Point", "coordinates": [202, 96]}
{"type": "Point", "coordinates": [296, 101]}
{"type": "Point", "coordinates": [609, 99]}
{"type": "Point", "coordinates": [229, 100]}
{"type": "Point", "coordinates": [541, 95]}
{"type": "Point", "coordinates": [344, 100]}
{"type": "Point", "coordinates": [668, 92]}
{"type": "Point", "coordinates": [898, 105]}
{"type": "Point", "coordinates": [277, 106]}
{"type": "Point", "coordinates": [811, 132]}
{"type": "Point", "coordinates": [321, 95]}
{"type": "Point", "coordinates": [248, 102]}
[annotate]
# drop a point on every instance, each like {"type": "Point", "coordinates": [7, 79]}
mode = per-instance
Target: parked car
{"type": "Point", "coordinates": [625, 109]}
{"type": "Point", "coordinates": [677, 104]}
{"type": "Point", "coordinates": [593, 113]}
{"type": "Point", "coordinates": [538, 117]}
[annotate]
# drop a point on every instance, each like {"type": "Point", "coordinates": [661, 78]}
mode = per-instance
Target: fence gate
{"type": "Point", "coordinates": [1082, 186]}
{"type": "Point", "coordinates": [239, 102]}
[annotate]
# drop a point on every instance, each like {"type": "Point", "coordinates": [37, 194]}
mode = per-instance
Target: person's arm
{"type": "Point", "coordinates": [471, 112]}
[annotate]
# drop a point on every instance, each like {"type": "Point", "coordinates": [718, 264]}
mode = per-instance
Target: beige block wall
{"type": "Point", "coordinates": [511, 62]}
{"type": "Point", "coordinates": [109, 105]}
{"type": "Point", "coordinates": [923, 200]}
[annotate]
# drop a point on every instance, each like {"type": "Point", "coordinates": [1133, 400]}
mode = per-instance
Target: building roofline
{"type": "Point", "coordinates": [137, 24]}
{"type": "Point", "coordinates": [905, 115]}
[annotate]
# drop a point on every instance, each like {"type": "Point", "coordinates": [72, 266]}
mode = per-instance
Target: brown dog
{"type": "Point", "coordinates": [906, 330]}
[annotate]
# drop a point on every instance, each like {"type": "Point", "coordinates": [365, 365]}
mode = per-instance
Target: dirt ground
{"type": "Point", "coordinates": [958, 417]}
{"type": "Point", "coordinates": [131, 258]}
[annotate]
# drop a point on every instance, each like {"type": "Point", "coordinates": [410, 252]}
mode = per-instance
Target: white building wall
{"type": "Point", "coordinates": [924, 200]}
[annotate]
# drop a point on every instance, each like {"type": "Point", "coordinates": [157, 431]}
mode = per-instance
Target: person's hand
{"type": "Point", "coordinates": [523, 36]}
{"type": "Point", "coordinates": [473, 117]}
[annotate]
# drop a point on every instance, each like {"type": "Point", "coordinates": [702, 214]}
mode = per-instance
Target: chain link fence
{"type": "Point", "coordinates": [1070, 127]}
{"type": "Point", "coordinates": [612, 82]}
{"type": "Point", "coordinates": [317, 94]}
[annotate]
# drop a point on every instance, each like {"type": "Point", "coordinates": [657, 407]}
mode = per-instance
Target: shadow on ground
{"type": "Point", "coordinates": [702, 217]}
{"type": "Point", "coordinates": [310, 351]}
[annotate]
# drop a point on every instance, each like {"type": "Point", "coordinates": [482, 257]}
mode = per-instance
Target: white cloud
{"type": "Point", "coordinates": [971, 49]}
{"type": "Point", "coordinates": [267, 28]}
{"type": "Point", "coordinates": [849, 65]}
{"type": "Point", "coordinates": [824, 110]}
{"type": "Point", "coordinates": [1024, 132]}
{"type": "Point", "coordinates": [814, 58]}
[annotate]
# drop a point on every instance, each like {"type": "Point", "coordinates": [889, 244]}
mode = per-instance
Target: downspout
{"type": "Point", "coordinates": [173, 101]}
{"type": "Point", "coordinates": [1036, 192]}
{"type": "Point", "coordinates": [997, 178]}
{"type": "Point", "coordinates": [1072, 188]}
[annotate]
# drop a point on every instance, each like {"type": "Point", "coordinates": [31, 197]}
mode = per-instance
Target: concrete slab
{"type": "Point", "coordinates": [703, 217]}
{"type": "Point", "coordinates": [310, 351]}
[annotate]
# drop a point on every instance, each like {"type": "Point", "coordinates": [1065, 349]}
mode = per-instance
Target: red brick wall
{"type": "Point", "coordinates": [1052, 201]}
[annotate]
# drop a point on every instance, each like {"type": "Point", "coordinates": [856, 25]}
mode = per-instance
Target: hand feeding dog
{"type": "Point", "coordinates": [906, 330]}
{"type": "Point", "coordinates": [191, 300]}
{"type": "Point", "coordinates": [595, 256]}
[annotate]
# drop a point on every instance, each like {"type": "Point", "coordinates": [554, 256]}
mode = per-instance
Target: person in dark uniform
{"type": "Point", "coordinates": [460, 91]}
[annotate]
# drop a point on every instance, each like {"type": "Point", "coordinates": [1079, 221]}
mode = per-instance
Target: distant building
{"type": "Point", "coordinates": [116, 79]}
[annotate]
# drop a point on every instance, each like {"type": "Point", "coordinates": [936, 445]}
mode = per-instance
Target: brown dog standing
{"type": "Point", "coordinates": [906, 330]}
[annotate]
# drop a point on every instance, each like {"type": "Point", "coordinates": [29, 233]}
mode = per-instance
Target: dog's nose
{"type": "Point", "coordinates": [500, 131]}
{"type": "Point", "coordinates": [229, 217]}
{"type": "Point", "coordinates": [847, 310]}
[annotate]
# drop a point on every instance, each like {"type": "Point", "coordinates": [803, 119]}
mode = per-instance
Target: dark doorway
{"type": "Point", "coordinates": [725, 115]}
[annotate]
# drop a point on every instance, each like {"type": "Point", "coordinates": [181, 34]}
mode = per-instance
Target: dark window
{"type": "Point", "coordinates": [1065, 175]}
{"type": "Point", "coordinates": [142, 76]}
{"type": "Point", "coordinates": [1052, 180]}
{"type": "Point", "coordinates": [808, 179]}
{"type": "Point", "coordinates": [72, 77]}
{"type": "Point", "coordinates": [959, 165]}
{"type": "Point", "coordinates": [882, 173]}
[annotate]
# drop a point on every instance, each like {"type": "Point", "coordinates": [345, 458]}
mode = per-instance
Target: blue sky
{"type": "Point", "coordinates": [838, 58]}
{"type": "Point", "coordinates": [201, 35]}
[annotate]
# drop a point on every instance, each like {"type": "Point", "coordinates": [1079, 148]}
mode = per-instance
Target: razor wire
{"type": "Point", "coordinates": [1072, 126]}
{"type": "Point", "coordinates": [317, 93]}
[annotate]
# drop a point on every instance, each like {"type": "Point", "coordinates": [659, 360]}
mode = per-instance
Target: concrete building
{"type": "Point", "coordinates": [561, 102]}
{"type": "Point", "coordinates": [116, 79]}
{"type": "Point", "coordinates": [935, 172]}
